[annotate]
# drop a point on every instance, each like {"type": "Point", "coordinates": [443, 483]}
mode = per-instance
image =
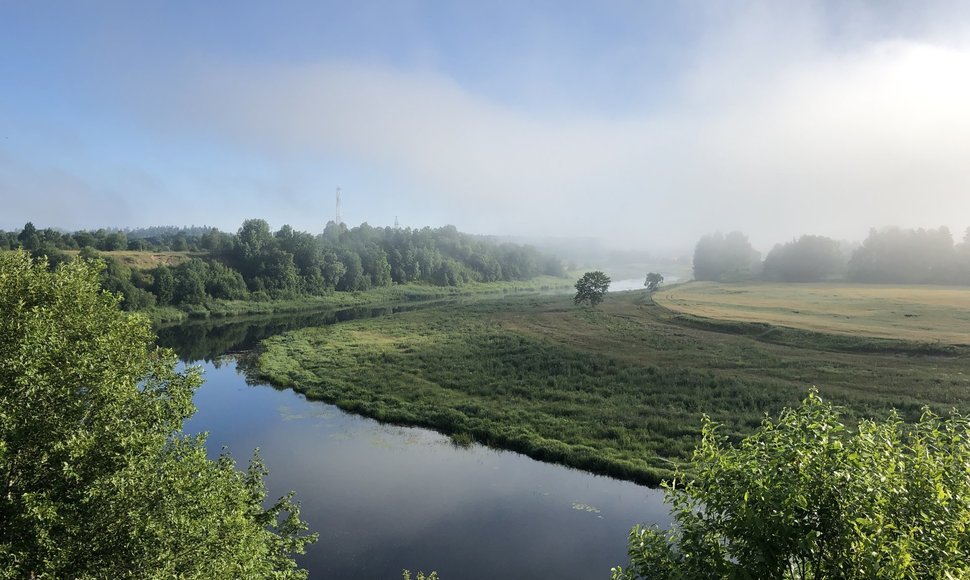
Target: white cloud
{"type": "Point", "coordinates": [770, 137]}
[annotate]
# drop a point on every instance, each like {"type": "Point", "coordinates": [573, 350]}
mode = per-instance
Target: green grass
{"type": "Point", "coordinates": [372, 297]}
{"type": "Point", "coordinates": [618, 390]}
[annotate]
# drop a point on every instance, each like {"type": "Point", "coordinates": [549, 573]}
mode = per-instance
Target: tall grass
{"type": "Point", "coordinates": [619, 390]}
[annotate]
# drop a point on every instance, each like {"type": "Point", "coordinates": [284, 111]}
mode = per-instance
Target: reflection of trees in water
{"type": "Point", "coordinates": [207, 340]}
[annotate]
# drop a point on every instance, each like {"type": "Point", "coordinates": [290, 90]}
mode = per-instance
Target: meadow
{"type": "Point", "coordinates": [619, 389]}
{"type": "Point", "coordinates": [914, 313]}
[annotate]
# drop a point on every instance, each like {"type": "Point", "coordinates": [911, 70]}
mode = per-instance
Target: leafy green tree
{"type": "Point", "coordinates": [353, 277]}
{"type": "Point", "coordinates": [180, 244]}
{"type": "Point", "coordinates": [190, 280]}
{"type": "Point", "coordinates": [653, 281]}
{"type": "Point", "coordinates": [139, 245]}
{"type": "Point", "coordinates": [807, 259]}
{"type": "Point", "coordinates": [449, 273]}
{"type": "Point", "coordinates": [332, 270]}
{"type": "Point", "coordinates": [720, 257]}
{"type": "Point", "coordinates": [254, 238]}
{"type": "Point", "coordinates": [116, 278]}
{"type": "Point", "coordinates": [97, 479]}
{"type": "Point", "coordinates": [85, 239]}
{"type": "Point", "coordinates": [8, 240]}
{"type": "Point", "coordinates": [225, 283]}
{"type": "Point", "coordinates": [28, 237]}
{"type": "Point", "coordinates": [591, 288]}
{"type": "Point", "coordinates": [376, 266]}
{"type": "Point", "coordinates": [895, 255]}
{"type": "Point", "coordinates": [163, 284]}
{"type": "Point", "coordinates": [215, 241]}
{"type": "Point", "coordinates": [806, 497]}
{"type": "Point", "coordinates": [114, 241]}
{"type": "Point", "coordinates": [278, 272]}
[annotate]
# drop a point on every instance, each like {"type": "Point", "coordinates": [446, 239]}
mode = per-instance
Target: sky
{"type": "Point", "coordinates": [644, 124]}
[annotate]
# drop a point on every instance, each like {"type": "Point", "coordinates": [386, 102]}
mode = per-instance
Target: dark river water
{"type": "Point", "coordinates": [384, 497]}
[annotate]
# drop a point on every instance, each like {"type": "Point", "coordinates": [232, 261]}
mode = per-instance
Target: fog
{"type": "Point", "coordinates": [773, 119]}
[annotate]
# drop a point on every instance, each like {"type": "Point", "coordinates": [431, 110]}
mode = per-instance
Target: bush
{"type": "Point", "coordinates": [806, 497]}
{"type": "Point", "coordinates": [99, 481]}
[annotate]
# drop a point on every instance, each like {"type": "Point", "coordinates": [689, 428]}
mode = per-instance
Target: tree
{"type": "Point", "coordinates": [190, 280]}
{"type": "Point", "coordinates": [725, 258]}
{"type": "Point", "coordinates": [28, 237]}
{"type": "Point", "coordinates": [98, 480]}
{"type": "Point", "coordinates": [653, 281]}
{"type": "Point", "coordinates": [115, 241]}
{"type": "Point", "coordinates": [591, 288]}
{"type": "Point", "coordinates": [253, 238]}
{"type": "Point", "coordinates": [353, 277]}
{"type": "Point", "coordinates": [905, 256]}
{"type": "Point", "coordinates": [163, 284]}
{"type": "Point", "coordinates": [806, 497]}
{"type": "Point", "coordinates": [807, 259]}
{"type": "Point", "coordinates": [224, 283]}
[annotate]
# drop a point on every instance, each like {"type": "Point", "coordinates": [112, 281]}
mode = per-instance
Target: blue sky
{"type": "Point", "coordinates": [644, 123]}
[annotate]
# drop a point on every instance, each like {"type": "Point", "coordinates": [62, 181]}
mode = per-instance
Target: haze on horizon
{"type": "Point", "coordinates": [646, 124]}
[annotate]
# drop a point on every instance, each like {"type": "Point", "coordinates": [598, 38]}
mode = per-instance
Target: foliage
{"type": "Point", "coordinates": [619, 393]}
{"type": "Point", "coordinates": [807, 259]}
{"type": "Point", "coordinates": [591, 288]}
{"type": "Point", "coordinates": [653, 281]}
{"type": "Point", "coordinates": [98, 481]}
{"type": "Point", "coordinates": [907, 256]}
{"type": "Point", "coordinates": [257, 264]}
{"type": "Point", "coordinates": [806, 497]}
{"type": "Point", "coordinates": [385, 297]}
{"type": "Point", "coordinates": [720, 257]}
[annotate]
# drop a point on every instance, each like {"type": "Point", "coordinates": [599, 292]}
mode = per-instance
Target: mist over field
{"type": "Point", "coordinates": [641, 126]}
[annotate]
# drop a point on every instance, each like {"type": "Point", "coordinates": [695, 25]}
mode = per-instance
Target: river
{"type": "Point", "coordinates": [384, 497]}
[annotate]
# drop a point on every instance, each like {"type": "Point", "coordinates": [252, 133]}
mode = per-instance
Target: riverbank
{"type": "Point", "coordinates": [618, 390]}
{"type": "Point", "coordinates": [334, 300]}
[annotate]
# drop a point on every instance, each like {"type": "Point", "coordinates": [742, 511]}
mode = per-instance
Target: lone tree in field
{"type": "Point", "coordinates": [97, 479]}
{"type": "Point", "coordinates": [591, 288]}
{"type": "Point", "coordinates": [805, 498]}
{"type": "Point", "coordinates": [653, 281]}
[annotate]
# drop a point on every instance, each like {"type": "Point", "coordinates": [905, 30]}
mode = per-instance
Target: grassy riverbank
{"type": "Point", "coordinates": [375, 296]}
{"type": "Point", "coordinates": [619, 390]}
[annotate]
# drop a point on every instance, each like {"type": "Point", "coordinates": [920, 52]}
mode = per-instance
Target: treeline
{"type": "Point", "coordinates": [152, 239]}
{"type": "Point", "coordinates": [889, 255]}
{"type": "Point", "coordinates": [256, 263]}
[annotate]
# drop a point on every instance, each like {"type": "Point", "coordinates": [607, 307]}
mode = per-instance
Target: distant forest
{"type": "Point", "coordinates": [890, 255]}
{"type": "Point", "coordinates": [256, 263]}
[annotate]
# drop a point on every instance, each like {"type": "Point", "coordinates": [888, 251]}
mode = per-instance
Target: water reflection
{"type": "Point", "coordinates": [209, 339]}
{"type": "Point", "coordinates": [386, 497]}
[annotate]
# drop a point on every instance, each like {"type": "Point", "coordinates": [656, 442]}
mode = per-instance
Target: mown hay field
{"type": "Point", "coordinates": [911, 313]}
